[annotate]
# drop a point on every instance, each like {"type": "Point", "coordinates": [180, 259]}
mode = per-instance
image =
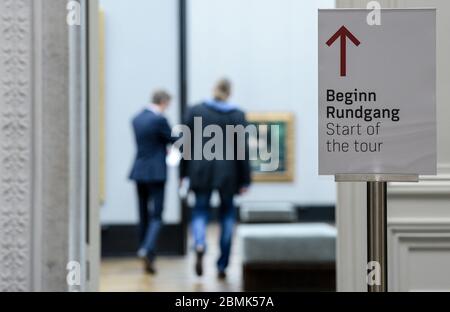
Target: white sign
{"type": "Point", "coordinates": [377, 92]}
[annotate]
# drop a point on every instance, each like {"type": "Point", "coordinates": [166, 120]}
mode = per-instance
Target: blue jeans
{"type": "Point", "coordinates": [227, 216]}
{"type": "Point", "coordinates": [150, 216]}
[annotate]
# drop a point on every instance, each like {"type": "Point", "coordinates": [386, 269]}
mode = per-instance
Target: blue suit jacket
{"type": "Point", "coordinates": [153, 134]}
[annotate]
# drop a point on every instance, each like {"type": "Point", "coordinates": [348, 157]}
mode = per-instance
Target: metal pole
{"type": "Point", "coordinates": [377, 231]}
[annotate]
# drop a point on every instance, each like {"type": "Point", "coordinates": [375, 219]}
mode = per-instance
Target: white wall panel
{"type": "Point", "coordinates": [268, 48]}
{"type": "Point", "coordinates": [141, 47]}
{"type": "Point", "coordinates": [418, 213]}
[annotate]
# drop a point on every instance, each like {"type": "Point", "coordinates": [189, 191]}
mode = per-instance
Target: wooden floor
{"type": "Point", "coordinates": [175, 274]}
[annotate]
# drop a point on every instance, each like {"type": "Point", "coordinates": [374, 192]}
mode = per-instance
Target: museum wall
{"type": "Point", "coordinates": [269, 49]}
{"type": "Point", "coordinates": [35, 161]}
{"type": "Point", "coordinates": [271, 58]}
{"type": "Point", "coordinates": [141, 54]}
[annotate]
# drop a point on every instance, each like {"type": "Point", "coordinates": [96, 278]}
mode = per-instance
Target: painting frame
{"type": "Point", "coordinates": [288, 118]}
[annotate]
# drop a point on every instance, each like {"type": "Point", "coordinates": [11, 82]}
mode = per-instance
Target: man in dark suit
{"type": "Point", "coordinates": [228, 176]}
{"type": "Point", "coordinates": [152, 134]}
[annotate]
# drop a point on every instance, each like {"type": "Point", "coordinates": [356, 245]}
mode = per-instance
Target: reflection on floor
{"type": "Point", "coordinates": [175, 274]}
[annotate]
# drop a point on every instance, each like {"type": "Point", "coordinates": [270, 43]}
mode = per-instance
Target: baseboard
{"type": "Point", "coordinates": [122, 240]}
{"type": "Point", "coordinates": [297, 277]}
{"type": "Point", "coordinates": [317, 213]}
{"type": "Point", "coordinates": [308, 214]}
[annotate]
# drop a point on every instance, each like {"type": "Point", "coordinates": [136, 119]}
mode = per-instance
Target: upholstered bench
{"type": "Point", "coordinates": [298, 256]}
{"type": "Point", "coordinates": [265, 212]}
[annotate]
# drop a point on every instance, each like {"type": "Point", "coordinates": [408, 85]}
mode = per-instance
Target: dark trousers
{"type": "Point", "coordinates": [151, 204]}
{"type": "Point", "coordinates": [227, 215]}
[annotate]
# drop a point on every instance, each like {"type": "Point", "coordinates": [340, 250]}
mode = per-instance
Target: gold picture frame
{"type": "Point", "coordinates": [285, 120]}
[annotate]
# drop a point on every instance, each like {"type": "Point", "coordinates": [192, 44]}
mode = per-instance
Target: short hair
{"type": "Point", "coordinates": [160, 96]}
{"type": "Point", "coordinates": [222, 91]}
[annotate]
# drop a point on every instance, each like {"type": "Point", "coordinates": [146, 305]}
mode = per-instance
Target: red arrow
{"type": "Point", "coordinates": [343, 33]}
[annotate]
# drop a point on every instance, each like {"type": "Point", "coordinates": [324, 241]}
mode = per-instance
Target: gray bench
{"type": "Point", "coordinates": [273, 212]}
{"type": "Point", "coordinates": [298, 256]}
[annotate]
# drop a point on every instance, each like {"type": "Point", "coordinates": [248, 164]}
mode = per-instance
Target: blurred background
{"type": "Point", "coordinates": [268, 49]}
{"type": "Point", "coordinates": [75, 73]}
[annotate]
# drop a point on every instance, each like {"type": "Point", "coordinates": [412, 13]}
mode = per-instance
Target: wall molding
{"type": "Point", "coordinates": [428, 185]}
{"type": "Point", "coordinates": [54, 123]}
{"type": "Point", "coordinates": [406, 236]}
{"type": "Point", "coordinates": [15, 148]}
{"type": "Point", "coordinates": [34, 115]}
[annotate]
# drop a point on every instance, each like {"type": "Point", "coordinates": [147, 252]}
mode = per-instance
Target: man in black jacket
{"type": "Point", "coordinates": [152, 134]}
{"type": "Point", "coordinates": [228, 176]}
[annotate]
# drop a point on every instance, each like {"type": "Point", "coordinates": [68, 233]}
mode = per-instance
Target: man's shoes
{"type": "Point", "coordinates": [199, 262]}
{"type": "Point", "coordinates": [222, 275]}
{"type": "Point", "coordinates": [149, 266]}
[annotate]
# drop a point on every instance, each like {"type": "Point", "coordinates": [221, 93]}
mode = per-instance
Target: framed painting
{"type": "Point", "coordinates": [273, 125]}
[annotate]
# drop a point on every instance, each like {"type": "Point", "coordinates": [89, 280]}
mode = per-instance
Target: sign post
{"type": "Point", "coordinates": [377, 220]}
{"type": "Point", "coordinates": [377, 109]}
{"type": "Point", "coordinates": [377, 231]}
